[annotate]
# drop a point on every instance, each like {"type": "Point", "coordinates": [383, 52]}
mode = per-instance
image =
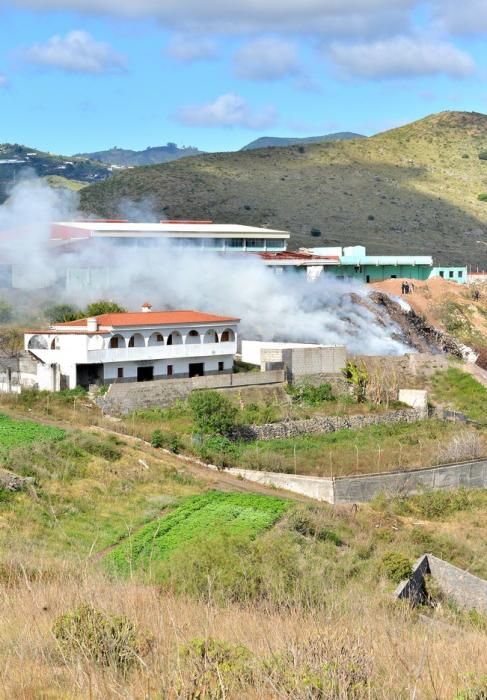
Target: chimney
{"type": "Point", "coordinates": [91, 324]}
{"type": "Point", "coordinates": [146, 307]}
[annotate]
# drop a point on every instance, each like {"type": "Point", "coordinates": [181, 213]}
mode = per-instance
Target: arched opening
{"type": "Point", "coordinates": [137, 341]}
{"type": "Point", "coordinates": [193, 338]}
{"type": "Point", "coordinates": [117, 341]}
{"type": "Point", "coordinates": [37, 342]}
{"type": "Point", "coordinates": [175, 338]}
{"type": "Point", "coordinates": [156, 339]}
{"type": "Point", "coordinates": [228, 336]}
{"type": "Point", "coordinates": [55, 343]}
{"type": "Point", "coordinates": [211, 336]}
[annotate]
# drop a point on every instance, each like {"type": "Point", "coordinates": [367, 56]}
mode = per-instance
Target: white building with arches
{"type": "Point", "coordinates": [133, 347]}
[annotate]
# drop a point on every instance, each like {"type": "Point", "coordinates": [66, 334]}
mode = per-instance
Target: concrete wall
{"type": "Point", "coordinates": [319, 488]}
{"type": "Point", "coordinates": [465, 589]}
{"type": "Point", "coordinates": [304, 362]}
{"type": "Point", "coordinates": [127, 397]}
{"type": "Point", "coordinates": [363, 488]}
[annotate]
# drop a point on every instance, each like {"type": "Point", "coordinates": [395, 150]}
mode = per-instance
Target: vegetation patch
{"type": "Point", "coordinates": [15, 433]}
{"type": "Point", "coordinates": [207, 515]}
{"type": "Point", "coordinates": [461, 392]}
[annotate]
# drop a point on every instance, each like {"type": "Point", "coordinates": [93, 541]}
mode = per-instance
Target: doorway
{"type": "Point", "coordinates": [145, 374]}
{"type": "Point", "coordinates": [196, 369]}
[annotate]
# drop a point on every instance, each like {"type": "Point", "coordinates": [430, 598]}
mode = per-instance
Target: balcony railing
{"type": "Point", "coordinates": [138, 354]}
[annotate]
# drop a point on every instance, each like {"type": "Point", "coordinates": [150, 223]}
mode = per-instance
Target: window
{"type": "Point", "coordinates": [221, 366]}
{"type": "Point", "coordinates": [442, 273]}
{"type": "Point", "coordinates": [234, 243]}
{"type": "Point", "coordinates": [159, 338]}
{"type": "Point", "coordinates": [114, 342]}
{"type": "Point", "coordinates": [120, 372]}
{"type": "Point", "coordinates": [275, 244]}
{"type": "Point", "coordinates": [451, 274]}
{"type": "Point", "coordinates": [460, 274]}
{"type": "Point", "coordinates": [169, 370]}
{"type": "Point", "coordinates": [254, 244]}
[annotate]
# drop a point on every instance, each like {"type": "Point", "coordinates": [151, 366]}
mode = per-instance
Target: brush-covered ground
{"type": "Point", "coordinates": [414, 189]}
{"type": "Point", "coordinates": [126, 573]}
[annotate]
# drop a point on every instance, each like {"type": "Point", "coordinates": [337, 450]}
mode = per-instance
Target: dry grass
{"type": "Point", "coordinates": [393, 654]}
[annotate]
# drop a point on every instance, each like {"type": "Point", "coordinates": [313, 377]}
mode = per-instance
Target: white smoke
{"type": "Point", "coordinates": [271, 306]}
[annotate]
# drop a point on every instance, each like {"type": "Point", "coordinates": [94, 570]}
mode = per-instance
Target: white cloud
{"type": "Point", "coordinates": [266, 59]}
{"type": "Point", "coordinates": [345, 17]}
{"type": "Point", "coordinates": [402, 57]}
{"type": "Point", "coordinates": [466, 17]}
{"type": "Point", "coordinates": [229, 110]}
{"type": "Point", "coordinates": [3, 81]}
{"type": "Point", "coordinates": [192, 48]}
{"type": "Point", "coordinates": [76, 52]}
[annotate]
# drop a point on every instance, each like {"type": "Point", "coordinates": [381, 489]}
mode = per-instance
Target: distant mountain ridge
{"type": "Point", "coordinates": [282, 142]}
{"type": "Point", "coordinates": [153, 155]}
{"type": "Point", "coordinates": [16, 159]}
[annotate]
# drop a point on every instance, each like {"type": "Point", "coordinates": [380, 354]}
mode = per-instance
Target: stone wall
{"type": "Point", "coordinates": [325, 424]}
{"type": "Point", "coordinates": [127, 397]}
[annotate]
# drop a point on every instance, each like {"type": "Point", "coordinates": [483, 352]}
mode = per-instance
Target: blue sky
{"type": "Point", "coordinates": [83, 75]}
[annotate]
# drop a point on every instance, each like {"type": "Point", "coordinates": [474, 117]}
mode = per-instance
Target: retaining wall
{"type": "Point", "coordinates": [325, 424]}
{"type": "Point", "coordinates": [363, 488]}
{"type": "Point", "coordinates": [468, 591]}
{"type": "Point", "coordinates": [127, 397]}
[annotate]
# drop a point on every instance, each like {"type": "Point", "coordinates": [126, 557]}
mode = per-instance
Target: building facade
{"type": "Point", "coordinates": [133, 347]}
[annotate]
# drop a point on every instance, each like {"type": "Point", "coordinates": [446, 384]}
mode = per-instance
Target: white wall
{"type": "Point", "coordinates": [251, 349]}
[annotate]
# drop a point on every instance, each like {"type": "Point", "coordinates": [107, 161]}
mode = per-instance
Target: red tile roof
{"type": "Point", "coordinates": [295, 255]}
{"type": "Point", "coordinates": [151, 318]}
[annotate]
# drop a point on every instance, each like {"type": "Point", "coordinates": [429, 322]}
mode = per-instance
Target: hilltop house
{"type": "Point", "coordinates": [132, 347]}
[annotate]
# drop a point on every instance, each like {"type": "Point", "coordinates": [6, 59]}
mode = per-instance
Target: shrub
{"type": "Point", "coordinates": [311, 395]}
{"type": "Point", "coordinates": [6, 311]}
{"type": "Point", "coordinates": [157, 439]}
{"type": "Point", "coordinates": [216, 667]}
{"type": "Point", "coordinates": [358, 378]}
{"type": "Point", "coordinates": [107, 640]}
{"type": "Point", "coordinates": [315, 232]}
{"type": "Point", "coordinates": [60, 313]}
{"type": "Point", "coordinates": [213, 413]}
{"type": "Point", "coordinates": [309, 523]}
{"type": "Point", "coordinates": [396, 567]}
{"type": "Point", "coordinates": [462, 447]}
{"type": "Point", "coordinates": [483, 155]}
{"type": "Point", "coordinates": [482, 197]}
{"type": "Point", "coordinates": [103, 307]}
{"type": "Point", "coordinates": [219, 449]}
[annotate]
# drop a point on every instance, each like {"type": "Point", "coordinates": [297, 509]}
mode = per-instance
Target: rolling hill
{"type": "Point", "coordinates": [16, 159]}
{"type": "Point", "coordinates": [412, 189]}
{"type": "Point", "coordinates": [150, 156]}
{"type": "Point", "coordinates": [281, 142]}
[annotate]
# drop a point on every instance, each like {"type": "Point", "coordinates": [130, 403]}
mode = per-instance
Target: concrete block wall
{"type": "Point", "coordinates": [127, 397]}
{"type": "Point", "coordinates": [319, 488]}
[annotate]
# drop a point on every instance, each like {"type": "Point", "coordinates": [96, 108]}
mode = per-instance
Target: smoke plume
{"type": "Point", "coordinates": [271, 306]}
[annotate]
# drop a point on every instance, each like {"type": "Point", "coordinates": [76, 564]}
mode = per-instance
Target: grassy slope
{"type": "Point", "coordinates": [209, 516]}
{"type": "Point", "coordinates": [14, 433]}
{"type": "Point", "coordinates": [411, 189]}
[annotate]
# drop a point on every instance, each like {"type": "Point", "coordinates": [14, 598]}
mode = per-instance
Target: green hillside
{"type": "Point", "coordinates": [411, 189]}
{"type": "Point", "coordinates": [150, 156]}
{"type": "Point", "coordinates": [16, 159]}
{"type": "Point", "coordinates": [280, 142]}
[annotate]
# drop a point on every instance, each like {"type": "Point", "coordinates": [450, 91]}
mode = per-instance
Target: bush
{"type": "Point", "coordinates": [396, 567]}
{"type": "Point", "coordinates": [219, 449]}
{"type": "Point", "coordinates": [308, 522]}
{"type": "Point", "coordinates": [315, 232]}
{"type": "Point", "coordinates": [482, 197]}
{"type": "Point", "coordinates": [60, 313]}
{"type": "Point", "coordinates": [213, 414]}
{"type": "Point", "coordinates": [157, 439]}
{"type": "Point", "coordinates": [311, 395]}
{"type": "Point", "coordinates": [483, 155]}
{"type": "Point", "coordinates": [463, 447]}
{"type": "Point", "coordinates": [216, 667]}
{"type": "Point", "coordinates": [107, 640]}
{"type": "Point", "coordinates": [103, 307]}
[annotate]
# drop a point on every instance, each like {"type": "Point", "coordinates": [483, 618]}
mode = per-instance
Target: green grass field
{"type": "Point", "coordinates": [461, 392]}
{"type": "Point", "coordinates": [15, 433]}
{"type": "Point", "coordinates": [208, 515]}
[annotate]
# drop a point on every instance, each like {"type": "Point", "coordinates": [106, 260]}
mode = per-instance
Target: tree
{"type": "Point", "coordinates": [358, 378]}
{"type": "Point", "coordinates": [11, 348]}
{"type": "Point", "coordinates": [213, 413]}
{"type": "Point", "coordinates": [6, 311]}
{"type": "Point", "coordinates": [60, 313]}
{"type": "Point", "coordinates": [102, 306]}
